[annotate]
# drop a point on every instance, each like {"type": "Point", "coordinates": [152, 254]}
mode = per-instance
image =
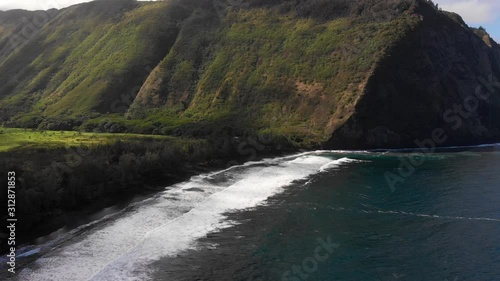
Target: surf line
{"type": "Point", "coordinates": [364, 211]}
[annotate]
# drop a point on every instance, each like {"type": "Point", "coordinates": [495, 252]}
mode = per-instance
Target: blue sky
{"type": "Point", "coordinates": [476, 13]}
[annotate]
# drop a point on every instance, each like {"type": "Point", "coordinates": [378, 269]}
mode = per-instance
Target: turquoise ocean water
{"type": "Point", "coordinates": [326, 215]}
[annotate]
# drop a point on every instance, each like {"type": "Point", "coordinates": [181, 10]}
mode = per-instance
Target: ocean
{"type": "Point", "coordinates": [323, 215]}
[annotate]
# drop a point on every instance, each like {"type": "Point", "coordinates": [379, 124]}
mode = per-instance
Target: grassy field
{"type": "Point", "coordinates": [60, 171]}
{"type": "Point", "coordinates": [12, 138]}
{"type": "Point", "coordinates": [262, 68]}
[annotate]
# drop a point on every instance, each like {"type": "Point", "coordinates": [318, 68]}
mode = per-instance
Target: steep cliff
{"type": "Point", "coordinates": [439, 87]}
{"type": "Point", "coordinates": [72, 64]}
{"type": "Point", "coordinates": [349, 74]}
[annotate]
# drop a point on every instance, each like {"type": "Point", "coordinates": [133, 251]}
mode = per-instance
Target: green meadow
{"type": "Point", "coordinates": [14, 138]}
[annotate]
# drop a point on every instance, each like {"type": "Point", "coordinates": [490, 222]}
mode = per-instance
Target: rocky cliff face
{"type": "Point", "coordinates": [333, 74]}
{"type": "Point", "coordinates": [441, 79]}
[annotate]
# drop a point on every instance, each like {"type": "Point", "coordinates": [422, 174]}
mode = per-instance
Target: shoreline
{"type": "Point", "coordinates": [61, 220]}
{"type": "Point", "coordinates": [51, 224]}
{"type": "Point", "coordinates": [113, 204]}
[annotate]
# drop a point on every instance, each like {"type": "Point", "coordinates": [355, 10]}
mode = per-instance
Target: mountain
{"type": "Point", "coordinates": [319, 73]}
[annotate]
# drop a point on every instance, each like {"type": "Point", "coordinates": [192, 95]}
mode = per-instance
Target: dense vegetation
{"type": "Point", "coordinates": [79, 62]}
{"type": "Point", "coordinates": [209, 79]}
{"type": "Point", "coordinates": [126, 66]}
{"type": "Point", "coordinates": [297, 73]}
{"type": "Point", "coordinates": [60, 171]}
{"type": "Point", "coordinates": [294, 69]}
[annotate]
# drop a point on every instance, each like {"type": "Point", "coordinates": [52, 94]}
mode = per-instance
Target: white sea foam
{"type": "Point", "coordinates": [336, 163]}
{"type": "Point", "coordinates": [395, 212]}
{"type": "Point", "coordinates": [122, 248]}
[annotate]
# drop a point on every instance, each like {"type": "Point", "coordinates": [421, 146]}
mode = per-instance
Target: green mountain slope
{"type": "Point", "coordinates": [83, 59]}
{"type": "Point", "coordinates": [360, 73]}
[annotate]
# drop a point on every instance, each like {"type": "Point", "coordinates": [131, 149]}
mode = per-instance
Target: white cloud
{"type": "Point", "coordinates": [37, 4]}
{"type": "Point", "coordinates": [473, 11]}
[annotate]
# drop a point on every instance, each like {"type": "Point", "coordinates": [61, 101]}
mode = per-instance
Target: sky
{"type": "Point", "coordinates": [476, 13]}
{"type": "Point", "coordinates": [37, 4]}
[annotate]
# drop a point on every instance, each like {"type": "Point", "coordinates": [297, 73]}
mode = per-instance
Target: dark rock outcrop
{"type": "Point", "coordinates": [441, 76]}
